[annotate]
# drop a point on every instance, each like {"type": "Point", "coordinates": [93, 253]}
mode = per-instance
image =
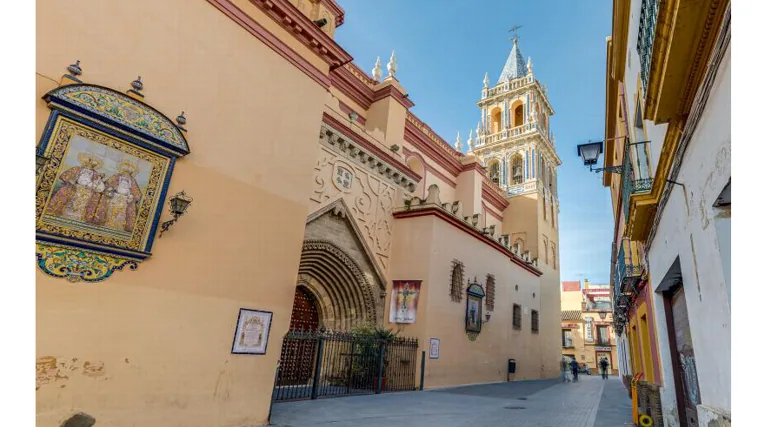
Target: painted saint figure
{"type": "Point", "coordinates": [405, 294]}
{"type": "Point", "coordinates": [124, 196]}
{"type": "Point", "coordinates": [81, 191]}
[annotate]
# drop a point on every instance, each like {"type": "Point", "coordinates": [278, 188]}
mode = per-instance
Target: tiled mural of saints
{"type": "Point", "coordinates": [101, 192]}
{"type": "Point", "coordinates": [98, 188]}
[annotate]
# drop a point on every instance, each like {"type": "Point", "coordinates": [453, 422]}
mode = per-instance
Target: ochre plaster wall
{"type": "Point", "coordinates": [152, 346]}
{"type": "Point", "coordinates": [463, 361]}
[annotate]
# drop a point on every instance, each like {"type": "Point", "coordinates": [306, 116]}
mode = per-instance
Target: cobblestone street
{"type": "Point", "coordinates": [591, 402]}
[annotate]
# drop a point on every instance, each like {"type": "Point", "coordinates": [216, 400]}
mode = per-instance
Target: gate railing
{"type": "Point", "coordinates": [325, 363]}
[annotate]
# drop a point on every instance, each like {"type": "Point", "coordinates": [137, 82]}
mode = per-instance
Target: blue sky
{"type": "Point", "coordinates": [443, 49]}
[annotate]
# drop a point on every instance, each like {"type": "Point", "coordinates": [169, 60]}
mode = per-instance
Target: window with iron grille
{"type": "Point", "coordinates": [534, 321]}
{"type": "Point", "coordinates": [647, 25]}
{"type": "Point", "coordinates": [490, 291]}
{"type": "Point", "coordinates": [457, 281]}
{"type": "Point", "coordinates": [516, 316]}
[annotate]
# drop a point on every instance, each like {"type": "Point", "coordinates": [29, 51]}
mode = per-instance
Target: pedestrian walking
{"type": "Point", "coordinates": [604, 364]}
{"type": "Point", "coordinates": [574, 368]}
{"type": "Point", "coordinates": [563, 366]}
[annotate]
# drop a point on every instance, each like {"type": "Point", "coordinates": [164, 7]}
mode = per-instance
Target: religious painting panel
{"type": "Point", "coordinates": [405, 295]}
{"type": "Point", "coordinates": [474, 314]}
{"type": "Point", "coordinates": [252, 332]}
{"type": "Point", "coordinates": [109, 159]}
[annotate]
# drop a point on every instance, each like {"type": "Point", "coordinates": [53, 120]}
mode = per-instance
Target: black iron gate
{"type": "Point", "coordinates": [342, 364]}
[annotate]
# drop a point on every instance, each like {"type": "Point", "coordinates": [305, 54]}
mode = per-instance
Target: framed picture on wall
{"type": "Point", "coordinates": [435, 345]}
{"type": "Point", "coordinates": [252, 332]}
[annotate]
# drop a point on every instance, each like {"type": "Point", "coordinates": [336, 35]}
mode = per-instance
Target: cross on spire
{"type": "Point", "coordinates": [513, 30]}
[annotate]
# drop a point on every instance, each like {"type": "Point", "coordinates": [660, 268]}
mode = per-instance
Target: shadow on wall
{"type": "Point", "coordinates": [79, 420]}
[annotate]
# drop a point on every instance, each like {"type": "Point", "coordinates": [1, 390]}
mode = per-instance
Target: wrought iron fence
{"type": "Point", "coordinates": [324, 363]}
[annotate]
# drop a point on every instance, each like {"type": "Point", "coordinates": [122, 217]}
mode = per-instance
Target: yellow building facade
{"type": "Point", "coordinates": [313, 192]}
{"type": "Point", "coordinates": [666, 154]}
{"type": "Point", "coordinates": [587, 333]}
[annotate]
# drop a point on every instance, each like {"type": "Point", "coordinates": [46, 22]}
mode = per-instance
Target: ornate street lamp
{"type": "Point", "coordinates": [178, 204]}
{"type": "Point", "coordinates": [591, 151]}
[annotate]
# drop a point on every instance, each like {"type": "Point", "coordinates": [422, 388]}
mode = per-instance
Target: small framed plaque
{"type": "Point", "coordinates": [435, 345]}
{"type": "Point", "coordinates": [252, 332]}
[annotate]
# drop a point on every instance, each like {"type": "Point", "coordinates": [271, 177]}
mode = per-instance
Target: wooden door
{"type": "Point", "coordinates": [298, 356]}
{"type": "Point", "coordinates": [685, 370]}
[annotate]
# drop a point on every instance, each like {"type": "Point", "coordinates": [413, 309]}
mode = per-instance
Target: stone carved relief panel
{"type": "Point", "coordinates": [369, 198]}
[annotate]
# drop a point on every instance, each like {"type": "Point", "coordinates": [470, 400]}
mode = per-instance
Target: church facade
{"type": "Point", "coordinates": [167, 274]}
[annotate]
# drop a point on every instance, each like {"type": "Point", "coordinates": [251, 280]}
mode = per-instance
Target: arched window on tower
{"type": "Point", "coordinates": [517, 169]}
{"type": "Point", "coordinates": [493, 171]}
{"type": "Point", "coordinates": [553, 221]}
{"type": "Point", "coordinates": [546, 251]}
{"type": "Point", "coordinates": [496, 120]}
{"type": "Point", "coordinates": [518, 114]}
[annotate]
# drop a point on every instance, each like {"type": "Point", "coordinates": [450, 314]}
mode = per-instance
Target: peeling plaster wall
{"type": "Point", "coordinates": [687, 230]}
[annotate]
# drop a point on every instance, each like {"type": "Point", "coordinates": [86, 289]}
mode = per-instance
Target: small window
{"type": "Point", "coordinates": [516, 316]}
{"type": "Point", "coordinates": [534, 321]}
{"type": "Point", "coordinates": [457, 281]}
{"type": "Point", "coordinates": [490, 291]}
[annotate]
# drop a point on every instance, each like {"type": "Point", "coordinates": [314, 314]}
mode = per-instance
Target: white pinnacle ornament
{"type": "Point", "coordinates": [392, 65]}
{"type": "Point", "coordinates": [469, 142]}
{"type": "Point", "coordinates": [377, 72]}
{"type": "Point", "coordinates": [458, 143]}
{"type": "Point", "coordinates": [485, 80]}
{"type": "Point", "coordinates": [530, 66]}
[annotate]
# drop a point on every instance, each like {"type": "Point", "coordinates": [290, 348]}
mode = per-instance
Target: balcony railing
{"type": "Point", "coordinates": [628, 269]}
{"type": "Point", "coordinates": [515, 132]}
{"type": "Point", "coordinates": [635, 176]}
{"type": "Point", "coordinates": [567, 343]}
{"type": "Point", "coordinates": [603, 342]}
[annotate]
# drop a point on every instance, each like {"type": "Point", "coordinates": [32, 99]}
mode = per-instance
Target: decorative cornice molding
{"type": "Point", "coordinates": [269, 39]}
{"type": "Point", "coordinates": [439, 212]}
{"type": "Point", "coordinates": [307, 32]}
{"type": "Point", "coordinates": [407, 153]}
{"type": "Point", "coordinates": [338, 11]}
{"type": "Point", "coordinates": [432, 145]}
{"type": "Point", "coordinates": [348, 83]}
{"type": "Point", "coordinates": [336, 134]}
{"type": "Point", "coordinates": [394, 93]}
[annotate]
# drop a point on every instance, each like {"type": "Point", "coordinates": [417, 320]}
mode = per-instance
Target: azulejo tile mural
{"type": "Point", "coordinates": [100, 194]}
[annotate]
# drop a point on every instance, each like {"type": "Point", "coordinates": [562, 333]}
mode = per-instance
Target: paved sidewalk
{"type": "Point", "coordinates": [544, 403]}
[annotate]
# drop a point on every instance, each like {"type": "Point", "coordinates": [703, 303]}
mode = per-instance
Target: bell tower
{"type": "Point", "coordinates": [516, 146]}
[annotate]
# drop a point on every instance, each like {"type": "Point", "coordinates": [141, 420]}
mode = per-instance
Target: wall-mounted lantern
{"type": "Point", "coordinates": [178, 204]}
{"type": "Point", "coordinates": [591, 151]}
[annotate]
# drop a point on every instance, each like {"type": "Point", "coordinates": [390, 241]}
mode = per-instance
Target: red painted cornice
{"type": "Point", "coordinates": [269, 39]}
{"type": "Point", "coordinates": [394, 93]}
{"type": "Point", "coordinates": [307, 32]}
{"type": "Point", "coordinates": [351, 86]}
{"type": "Point", "coordinates": [493, 212]}
{"type": "Point", "coordinates": [372, 148]}
{"type": "Point", "coordinates": [438, 213]}
{"type": "Point", "coordinates": [335, 8]}
{"type": "Point", "coordinates": [430, 148]}
{"type": "Point", "coordinates": [430, 168]}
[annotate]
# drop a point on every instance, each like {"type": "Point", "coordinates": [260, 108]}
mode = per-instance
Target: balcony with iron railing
{"type": "Point", "coordinates": [515, 132]}
{"type": "Point", "coordinates": [629, 268]}
{"type": "Point", "coordinates": [636, 174]}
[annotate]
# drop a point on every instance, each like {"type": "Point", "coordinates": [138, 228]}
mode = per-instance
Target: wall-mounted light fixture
{"type": "Point", "coordinates": [590, 152]}
{"type": "Point", "coordinates": [178, 204]}
{"type": "Point", "coordinates": [488, 316]}
{"type": "Point", "coordinates": [41, 162]}
{"type": "Point", "coordinates": [321, 22]}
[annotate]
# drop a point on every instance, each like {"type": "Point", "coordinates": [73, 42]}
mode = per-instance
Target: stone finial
{"type": "Point", "coordinates": [530, 66]}
{"type": "Point", "coordinates": [475, 219]}
{"type": "Point", "coordinates": [485, 81]}
{"type": "Point", "coordinates": [479, 129]}
{"type": "Point", "coordinates": [455, 207]}
{"type": "Point", "coordinates": [434, 195]}
{"type": "Point", "coordinates": [392, 65]}
{"type": "Point", "coordinates": [469, 142]}
{"type": "Point", "coordinates": [458, 143]}
{"type": "Point", "coordinates": [377, 72]}
{"type": "Point", "coordinates": [491, 230]}
{"type": "Point", "coordinates": [75, 69]}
